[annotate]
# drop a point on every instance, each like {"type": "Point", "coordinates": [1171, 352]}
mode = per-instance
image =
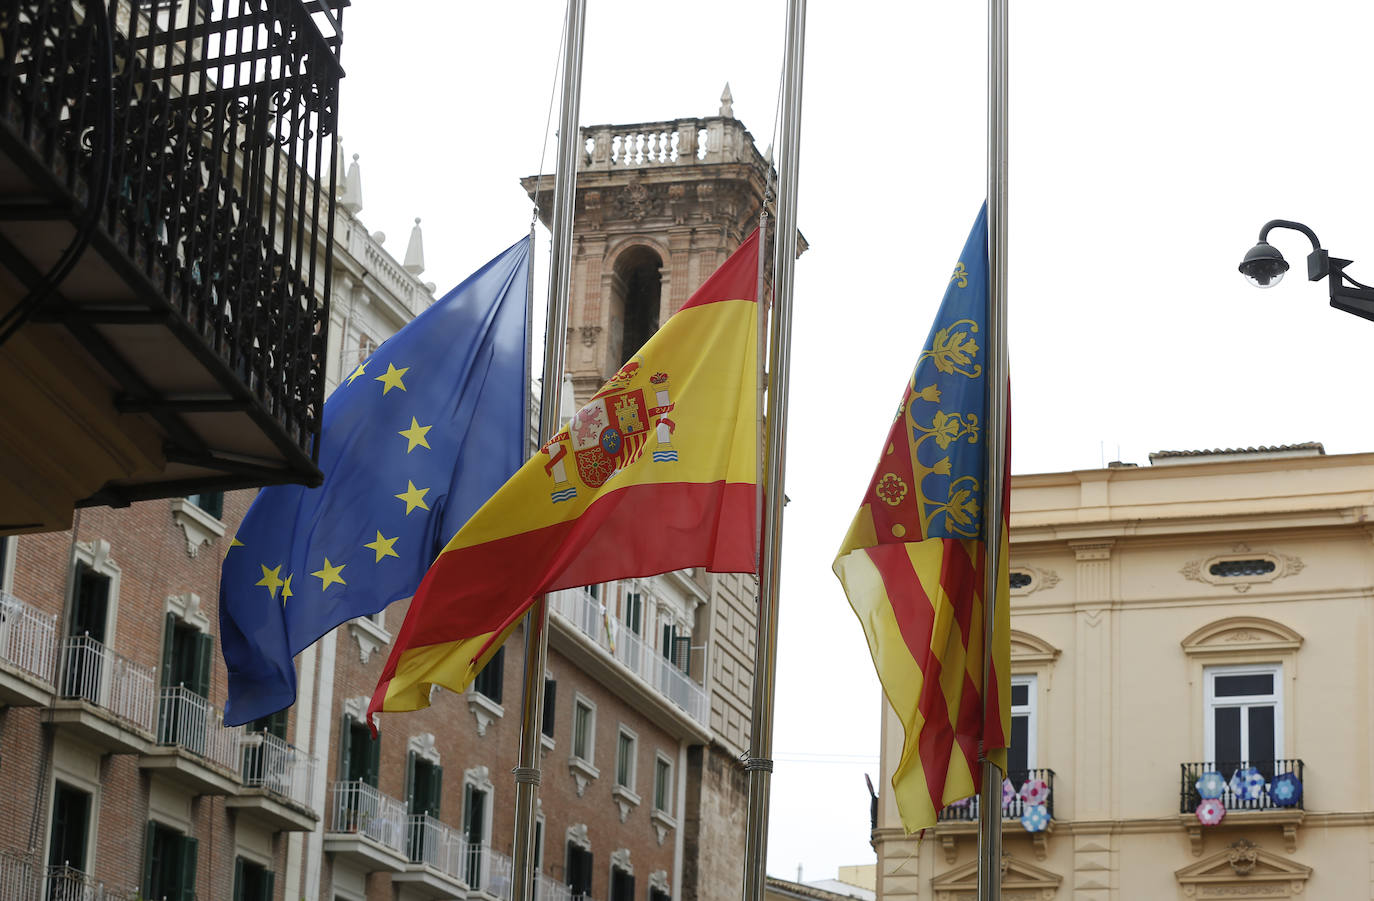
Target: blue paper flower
{"type": "Point", "coordinates": [1286, 790]}
{"type": "Point", "coordinates": [1247, 784]}
{"type": "Point", "coordinates": [1035, 818]}
{"type": "Point", "coordinates": [1210, 784]}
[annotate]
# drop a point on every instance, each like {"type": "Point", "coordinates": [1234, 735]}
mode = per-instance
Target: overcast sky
{"type": "Point", "coordinates": [1149, 142]}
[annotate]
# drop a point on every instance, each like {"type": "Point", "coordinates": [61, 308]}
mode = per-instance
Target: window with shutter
{"type": "Point", "coordinates": [550, 706]}
{"type": "Point", "coordinates": [489, 680]}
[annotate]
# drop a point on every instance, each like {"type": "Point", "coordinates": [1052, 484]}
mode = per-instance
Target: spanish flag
{"type": "Point", "coordinates": [913, 563]}
{"type": "Point", "coordinates": [656, 473]}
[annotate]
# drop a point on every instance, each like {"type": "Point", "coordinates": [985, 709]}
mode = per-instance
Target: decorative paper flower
{"type": "Point", "coordinates": [1035, 818]}
{"type": "Point", "coordinates": [1008, 793]}
{"type": "Point", "coordinates": [1286, 790]}
{"type": "Point", "coordinates": [1210, 811]}
{"type": "Point", "coordinates": [1035, 791]}
{"type": "Point", "coordinates": [1210, 784]}
{"type": "Point", "coordinates": [1247, 784]}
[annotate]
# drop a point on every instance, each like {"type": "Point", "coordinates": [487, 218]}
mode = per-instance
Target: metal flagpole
{"type": "Point", "coordinates": [556, 326]}
{"type": "Point", "coordinates": [759, 764]}
{"type": "Point", "coordinates": [990, 803]}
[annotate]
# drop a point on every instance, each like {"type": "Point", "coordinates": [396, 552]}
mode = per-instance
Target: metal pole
{"type": "Point", "coordinates": [990, 804]}
{"type": "Point", "coordinates": [759, 764]}
{"type": "Point", "coordinates": [527, 774]}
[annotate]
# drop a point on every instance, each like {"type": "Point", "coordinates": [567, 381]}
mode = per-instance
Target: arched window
{"type": "Point", "coordinates": [638, 289]}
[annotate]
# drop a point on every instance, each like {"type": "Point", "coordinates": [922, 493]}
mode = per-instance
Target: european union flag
{"type": "Point", "coordinates": [414, 441]}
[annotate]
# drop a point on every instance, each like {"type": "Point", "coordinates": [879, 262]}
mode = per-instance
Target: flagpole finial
{"type": "Point", "coordinates": [415, 251]}
{"type": "Point", "coordinates": [727, 107]}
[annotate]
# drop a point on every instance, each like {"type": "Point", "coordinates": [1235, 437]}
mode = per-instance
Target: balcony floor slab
{"type": "Point", "coordinates": [19, 688]}
{"type": "Point", "coordinates": [189, 770]}
{"type": "Point", "coordinates": [276, 813]}
{"type": "Point", "coordinates": [363, 853]}
{"type": "Point", "coordinates": [423, 882]}
{"type": "Point", "coordinates": [98, 726]}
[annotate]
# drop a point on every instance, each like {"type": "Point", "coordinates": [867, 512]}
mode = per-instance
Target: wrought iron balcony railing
{"type": "Point", "coordinates": [93, 673]}
{"type": "Point", "coordinates": [187, 148]}
{"type": "Point", "coordinates": [1012, 808]}
{"type": "Point", "coordinates": [186, 720]}
{"type": "Point", "coordinates": [282, 769]}
{"type": "Point", "coordinates": [360, 809]}
{"type": "Point", "coordinates": [579, 607]}
{"type": "Point", "coordinates": [28, 639]}
{"type": "Point", "coordinates": [1189, 798]}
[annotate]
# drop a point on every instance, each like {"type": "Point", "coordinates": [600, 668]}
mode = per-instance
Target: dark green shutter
{"type": "Point", "coordinates": [346, 749]}
{"type": "Point", "coordinates": [238, 879]}
{"type": "Point", "coordinates": [189, 857]}
{"type": "Point", "coordinates": [410, 781]}
{"type": "Point", "coordinates": [436, 788]}
{"type": "Point", "coordinates": [205, 655]}
{"type": "Point", "coordinates": [374, 760]}
{"type": "Point", "coordinates": [169, 637]}
{"type": "Point", "coordinates": [269, 880]}
{"type": "Point", "coordinates": [149, 842]}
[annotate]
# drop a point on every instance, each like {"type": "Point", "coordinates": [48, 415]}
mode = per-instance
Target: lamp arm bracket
{"type": "Point", "coordinates": [1295, 226]}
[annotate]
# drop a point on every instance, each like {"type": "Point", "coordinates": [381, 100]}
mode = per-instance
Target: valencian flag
{"type": "Point", "coordinates": [656, 473]}
{"type": "Point", "coordinates": [414, 440]}
{"type": "Point", "coordinates": [913, 563]}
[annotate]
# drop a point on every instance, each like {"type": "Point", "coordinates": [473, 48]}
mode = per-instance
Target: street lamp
{"type": "Point", "coordinates": [1264, 267]}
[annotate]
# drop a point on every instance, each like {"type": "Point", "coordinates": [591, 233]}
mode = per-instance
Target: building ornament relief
{"type": "Point", "coordinates": [1212, 570]}
{"type": "Point", "coordinates": [1239, 635]}
{"type": "Point", "coordinates": [1032, 579]}
{"type": "Point", "coordinates": [1243, 870]}
{"type": "Point", "coordinates": [577, 835]}
{"type": "Point", "coordinates": [1021, 881]}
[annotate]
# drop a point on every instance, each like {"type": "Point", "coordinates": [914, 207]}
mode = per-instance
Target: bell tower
{"type": "Point", "coordinates": [659, 206]}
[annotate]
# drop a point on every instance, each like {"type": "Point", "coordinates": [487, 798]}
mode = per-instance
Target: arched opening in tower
{"type": "Point", "coordinates": [639, 288]}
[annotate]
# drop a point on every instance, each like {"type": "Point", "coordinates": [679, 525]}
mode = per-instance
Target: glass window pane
{"type": "Point", "coordinates": [1020, 695]}
{"type": "Point", "coordinates": [1242, 686]}
{"type": "Point", "coordinates": [624, 753]}
{"type": "Point", "coordinates": [1018, 754]}
{"type": "Point", "coordinates": [1261, 722]}
{"type": "Point", "coordinates": [580, 716]}
{"type": "Point", "coordinates": [1226, 723]}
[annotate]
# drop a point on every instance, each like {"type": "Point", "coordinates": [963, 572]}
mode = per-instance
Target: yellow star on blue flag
{"type": "Point", "coordinates": [462, 411]}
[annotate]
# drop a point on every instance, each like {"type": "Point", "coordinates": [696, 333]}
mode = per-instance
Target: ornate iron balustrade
{"type": "Point", "coordinates": [967, 811]}
{"type": "Point", "coordinates": [1191, 772]}
{"type": "Point", "coordinates": [433, 843]}
{"type": "Point", "coordinates": [212, 131]}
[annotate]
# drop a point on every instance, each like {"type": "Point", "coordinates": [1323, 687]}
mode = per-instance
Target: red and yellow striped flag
{"type": "Point", "coordinates": [656, 473]}
{"type": "Point", "coordinates": [914, 560]}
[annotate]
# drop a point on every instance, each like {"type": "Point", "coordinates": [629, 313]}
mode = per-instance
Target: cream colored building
{"type": "Point", "coordinates": [1210, 608]}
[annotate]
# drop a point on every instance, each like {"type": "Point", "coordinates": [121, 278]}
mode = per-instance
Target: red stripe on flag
{"type": "Point", "coordinates": [484, 588]}
{"type": "Point", "coordinates": [915, 616]}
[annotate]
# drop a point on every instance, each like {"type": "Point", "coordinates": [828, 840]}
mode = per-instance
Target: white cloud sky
{"type": "Point", "coordinates": [1148, 145]}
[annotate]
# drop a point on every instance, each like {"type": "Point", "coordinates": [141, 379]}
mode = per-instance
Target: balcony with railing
{"type": "Point", "coordinates": [103, 697]}
{"type": "Point", "coordinates": [1023, 792]}
{"type": "Point", "coordinates": [166, 224]}
{"type": "Point", "coordinates": [28, 653]}
{"type": "Point", "coordinates": [279, 784]}
{"type": "Point", "coordinates": [1233, 794]}
{"type": "Point", "coordinates": [193, 746]}
{"type": "Point", "coordinates": [367, 828]}
{"type": "Point", "coordinates": [22, 879]}
{"type": "Point", "coordinates": [665, 677]}
{"type": "Point", "coordinates": [440, 862]}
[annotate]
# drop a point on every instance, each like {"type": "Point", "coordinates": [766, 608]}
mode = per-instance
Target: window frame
{"type": "Point", "coordinates": [662, 763]}
{"type": "Point", "coordinates": [582, 702]}
{"type": "Point", "coordinates": [624, 733]}
{"type": "Point", "coordinates": [1031, 710]}
{"type": "Point", "coordinates": [1210, 705]}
